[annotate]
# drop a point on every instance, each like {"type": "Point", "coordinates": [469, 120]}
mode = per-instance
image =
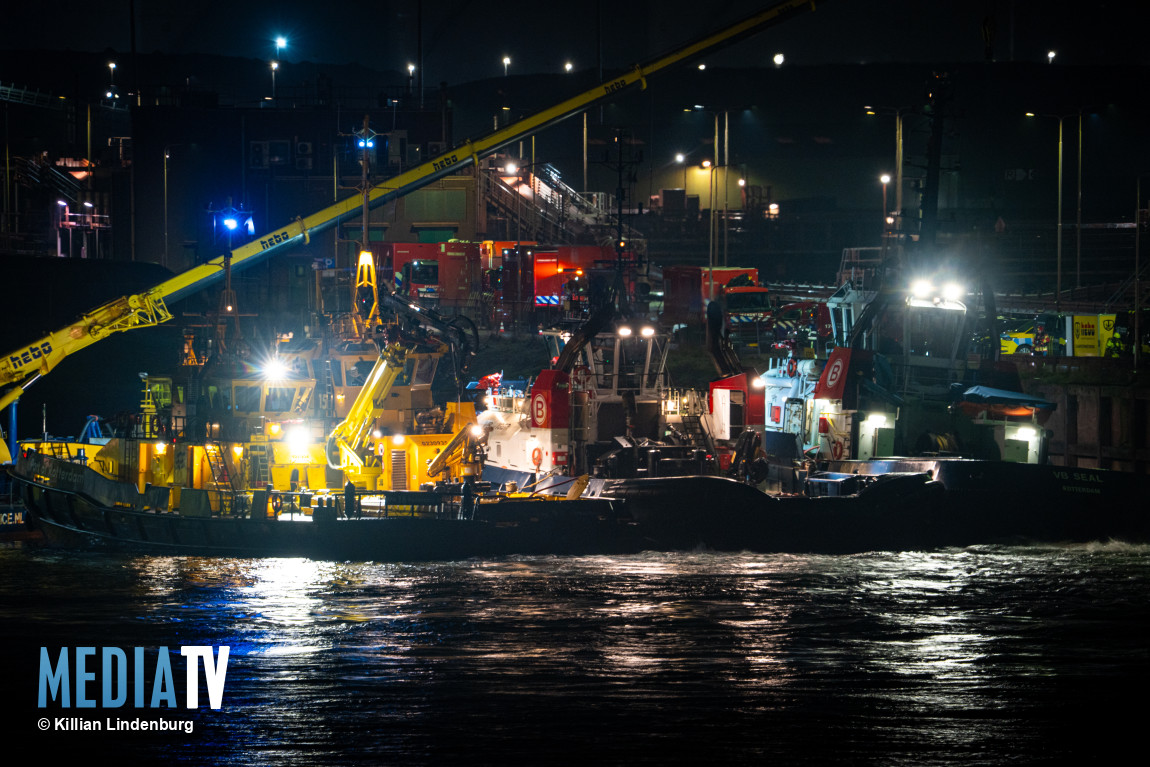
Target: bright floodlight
{"type": "Point", "coordinates": [779, 59]}
{"type": "Point", "coordinates": [624, 331]}
{"type": "Point", "coordinates": [885, 178]}
{"type": "Point", "coordinates": [921, 289]}
{"type": "Point", "coordinates": [231, 223]}
{"type": "Point", "coordinates": [952, 291]}
{"type": "Point", "coordinates": [1050, 56]}
{"type": "Point", "coordinates": [297, 438]}
{"type": "Point", "coordinates": [275, 370]}
{"type": "Point", "coordinates": [281, 42]}
{"type": "Point", "coordinates": [647, 331]}
{"type": "Point", "coordinates": [568, 66]}
{"type": "Point", "coordinates": [510, 168]}
{"type": "Point", "coordinates": [680, 157]}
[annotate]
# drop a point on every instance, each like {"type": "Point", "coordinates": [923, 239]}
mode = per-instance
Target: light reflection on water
{"type": "Point", "coordinates": [971, 656]}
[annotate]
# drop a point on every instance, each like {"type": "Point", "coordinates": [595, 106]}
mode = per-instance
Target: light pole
{"type": "Point", "coordinates": [1078, 225]}
{"type": "Point", "coordinates": [275, 66]}
{"type": "Point", "coordinates": [898, 113]}
{"type": "Point", "coordinates": [707, 166]}
{"type": "Point", "coordinates": [682, 160]}
{"type": "Point", "coordinates": [167, 154]}
{"type": "Point", "coordinates": [506, 63]}
{"type": "Point", "coordinates": [885, 179]}
{"type": "Point", "coordinates": [882, 232]}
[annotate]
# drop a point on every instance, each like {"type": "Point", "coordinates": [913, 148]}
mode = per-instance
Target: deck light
{"type": "Point", "coordinates": [274, 370]}
{"type": "Point", "coordinates": [921, 289]}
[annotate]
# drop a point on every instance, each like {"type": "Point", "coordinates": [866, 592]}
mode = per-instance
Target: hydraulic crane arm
{"type": "Point", "coordinates": [20, 368]}
{"type": "Point", "coordinates": [346, 442]}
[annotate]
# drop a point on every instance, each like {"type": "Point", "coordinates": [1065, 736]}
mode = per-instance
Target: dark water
{"type": "Point", "coordinates": [990, 655]}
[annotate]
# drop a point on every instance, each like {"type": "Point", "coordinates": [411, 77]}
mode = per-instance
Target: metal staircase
{"type": "Point", "coordinates": [542, 208]}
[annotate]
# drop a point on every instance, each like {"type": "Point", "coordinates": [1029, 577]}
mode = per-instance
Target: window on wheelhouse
{"type": "Point", "coordinates": [279, 399]}
{"type": "Point", "coordinates": [248, 399]}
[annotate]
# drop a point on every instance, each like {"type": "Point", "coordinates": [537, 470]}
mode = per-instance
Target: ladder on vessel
{"type": "Point", "coordinates": [221, 485]}
{"type": "Point", "coordinates": [695, 434]}
{"type": "Point", "coordinates": [258, 463]}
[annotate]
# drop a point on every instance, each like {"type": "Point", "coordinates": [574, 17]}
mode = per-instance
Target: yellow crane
{"type": "Point", "coordinates": [21, 367]}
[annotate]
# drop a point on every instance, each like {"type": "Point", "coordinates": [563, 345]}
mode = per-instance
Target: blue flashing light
{"type": "Point", "coordinates": [231, 223]}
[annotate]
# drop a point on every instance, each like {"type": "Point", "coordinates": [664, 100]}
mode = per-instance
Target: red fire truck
{"type": "Point", "coordinates": [688, 289]}
{"type": "Point", "coordinates": [441, 275]}
{"type": "Point", "coordinates": [535, 284]}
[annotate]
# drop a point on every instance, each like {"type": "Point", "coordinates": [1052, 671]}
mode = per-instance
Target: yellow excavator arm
{"type": "Point", "coordinates": [21, 367]}
{"type": "Point", "coordinates": [346, 443]}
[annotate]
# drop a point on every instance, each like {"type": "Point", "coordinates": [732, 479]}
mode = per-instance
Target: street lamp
{"type": "Point", "coordinates": [568, 67]}
{"type": "Point", "coordinates": [884, 179]}
{"type": "Point", "coordinates": [682, 160]}
{"type": "Point", "coordinates": [779, 59]}
{"type": "Point", "coordinates": [281, 43]}
{"type": "Point", "coordinates": [506, 63]}
{"type": "Point", "coordinates": [112, 93]}
{"type": "Point", "coordinates": [275, 66]}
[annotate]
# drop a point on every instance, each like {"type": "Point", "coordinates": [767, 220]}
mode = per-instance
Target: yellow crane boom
{"type": "Point", "coordinates": [20, 368]}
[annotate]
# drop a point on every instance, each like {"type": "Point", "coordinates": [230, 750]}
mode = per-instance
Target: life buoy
{"type": "Point", "coordinates": [537, 456]}
{"type": "Point", "coordinates": [792, 367]}
{"type": "Point", "coordinates": [581, 378]}
{"type": "Point", "coordinates": [836, 450]}
{"type": "Point", "coordinates": [277, 503]}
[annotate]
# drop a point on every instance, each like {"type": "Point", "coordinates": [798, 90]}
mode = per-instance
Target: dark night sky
{"type": "Point", "coordinates": [466, 40]}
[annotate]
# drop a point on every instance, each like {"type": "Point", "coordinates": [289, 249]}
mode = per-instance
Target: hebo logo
{"type": "Point", "coordinates": [275, 239]}
{"type": "Point", "coordinates": [34, 352]}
